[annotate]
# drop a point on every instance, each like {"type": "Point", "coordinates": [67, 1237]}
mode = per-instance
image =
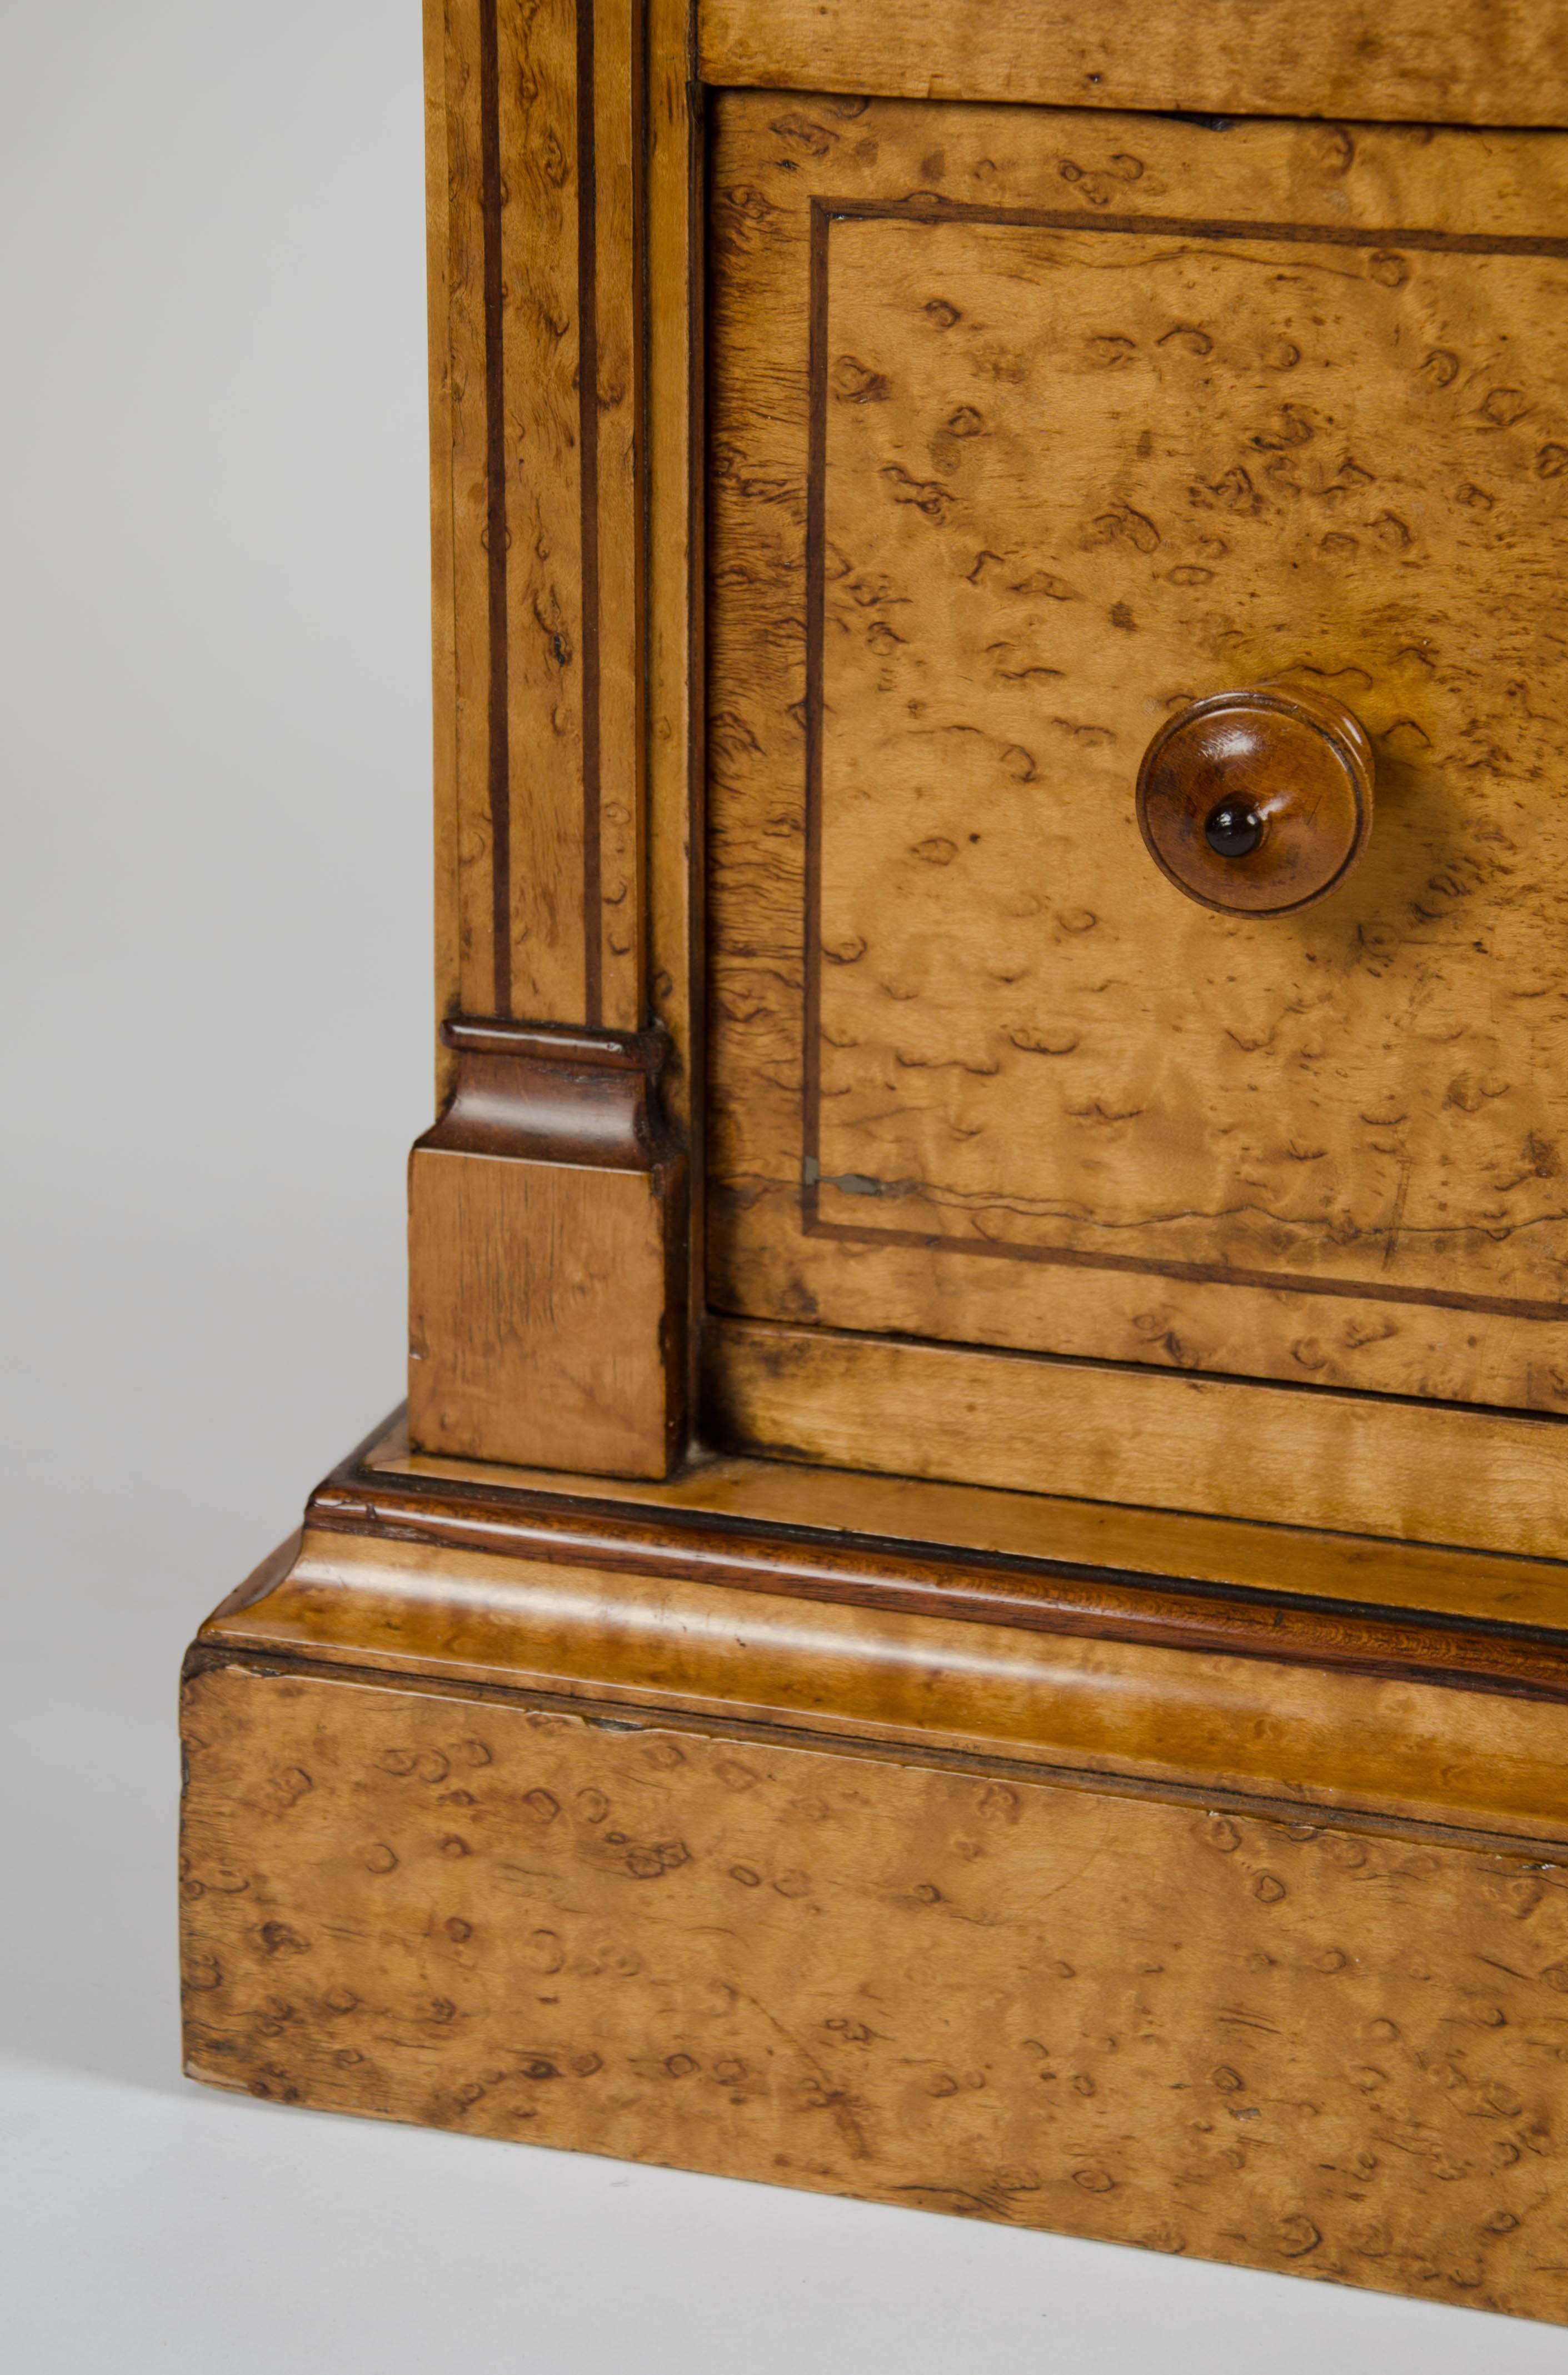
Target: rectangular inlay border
{"type": "Point", "coordinates": [825, 213]}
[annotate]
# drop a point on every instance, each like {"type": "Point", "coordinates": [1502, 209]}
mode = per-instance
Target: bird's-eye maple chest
{"type": "Point", "coordinates": [970, 1603]}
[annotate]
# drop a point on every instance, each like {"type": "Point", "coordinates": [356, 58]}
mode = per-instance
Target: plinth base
{"type": "Point", "coordinates": [1158, 1879]}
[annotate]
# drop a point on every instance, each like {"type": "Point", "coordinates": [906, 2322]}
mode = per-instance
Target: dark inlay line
{"type": "Point", "coordinates": [1201, 1273]}
{"type": "Point", "coordinates": [495, 539]}
{"type": "Point", "coordinates": [530, 1517]}
{"type": "Point", "coordinates": [588, 444]}
{"type": "Point", "coordinates": [354, 1476]}
{"type": "Point", "coordinates": [824, 213]}
{"type": "Point", "coordinates": [809, 1335]}
{"type": "Point", "coordinates": [359, 1474]}
{"type": "Point", "coordinates": [937, 210]}
{"type": "Point", "coordinates": [698, 169]}
{"type": "Point", "coordinates": [816, 597]}
{"type": "Point", "coordinates": [1054, 1597]}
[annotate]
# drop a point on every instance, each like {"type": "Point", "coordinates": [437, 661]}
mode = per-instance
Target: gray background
{"type": "Point", "coordinates": [214, 739]}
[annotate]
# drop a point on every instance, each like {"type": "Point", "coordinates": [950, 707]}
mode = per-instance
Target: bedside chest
{"type": "Point", "coordinates": [970, 1607]}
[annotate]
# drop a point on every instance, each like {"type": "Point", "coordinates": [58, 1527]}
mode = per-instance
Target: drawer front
{"type": "Point", "coordinates": [1029, 429]}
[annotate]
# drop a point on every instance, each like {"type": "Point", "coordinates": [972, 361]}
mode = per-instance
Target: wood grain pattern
{"type": "Point", "coordinates": [676, 592]}
{"type": "Point", "coordinates": [1189, 1882]}
{"type": "Point", "coordinates": [542, 1324]}
{"type": "Point", "coordinates": [542, 529]}
{"type": "Point", "coordinates": [440, 254]}
{"type": "Point", "coordinates": [539, 235]}
{"type": "Point", "coordinates": [675, 541]}
{"type": "Point", "coordinates": [614, 425]}
{"type": "Point", "coordinates": [845, 1648]}
{"type": "Point", "coordinates": [1425, 1621]}
{"type": "Point", "coordinates": [460, 493]}
{"type": "Point", "coordinates": [1426, 60]}
{"type": "Point", "coordinates": [1313, 2048]}
{"type": "Point", "coordinates": [1472, 1619]}
{"type": "Point", "coordinates": [754, 1499]}
{"type": "Point", "coordinates": [1419, 1472]}
{"type": "Point", "coordinates": [1287, 772]}
{"type": "Point", "coordinates": [1109, 415]}
{"type": "Point", "coordinates": [546, 1243]}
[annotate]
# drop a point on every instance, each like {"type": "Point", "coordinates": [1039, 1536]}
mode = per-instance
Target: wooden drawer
{"type": "Point", "coordinates": [1030, 427]}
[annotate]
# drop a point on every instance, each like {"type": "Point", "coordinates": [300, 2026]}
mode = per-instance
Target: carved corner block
{"type": "Point", "coordinates": [547, 1243]}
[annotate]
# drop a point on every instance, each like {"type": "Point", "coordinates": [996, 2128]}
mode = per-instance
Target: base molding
{"type": "Point", "coordinates": [691, 1823]}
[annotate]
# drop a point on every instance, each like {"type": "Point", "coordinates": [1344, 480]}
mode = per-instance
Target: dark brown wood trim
{"type": "Point", "coordinates": [938, 209]}
{"type": "Point", "coordinates": [696, 952]}
{"type": "Point", "coordinates": [588, 487]}
{"type": "Point", "coordinates": [497, 538]}
{"type": "Point", "coordinates": [530, 1092]}
{"type": "Point", "coordinates": [1202, 1273]}
{"type": "Point", "coordinates": [643, 655]}
{"type": "Point", "coordinates": [563, 1042]}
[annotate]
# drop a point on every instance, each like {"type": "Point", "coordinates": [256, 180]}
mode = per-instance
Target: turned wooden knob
{"type": "Point", "coordinates": [1258, 803]}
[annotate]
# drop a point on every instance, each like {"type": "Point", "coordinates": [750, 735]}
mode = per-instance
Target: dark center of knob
{"type": "Point", "coordinates": [1234, 829]}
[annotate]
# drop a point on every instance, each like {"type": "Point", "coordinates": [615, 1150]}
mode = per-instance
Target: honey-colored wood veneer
{"type": "Point", "coordinates": [693, 1733]}
{"type": "Point", "coordinates": [1045, 465]}
{"type": "Point", "coordinates": [1269, 2040]}
{"type": "Point", "coordinates": [1501, 62]}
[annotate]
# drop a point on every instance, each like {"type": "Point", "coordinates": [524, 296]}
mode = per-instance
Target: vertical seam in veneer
{"type": "Point", "coordinates": [588, 484]}
{"type": "Point", "coordinates": [495, 537]}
